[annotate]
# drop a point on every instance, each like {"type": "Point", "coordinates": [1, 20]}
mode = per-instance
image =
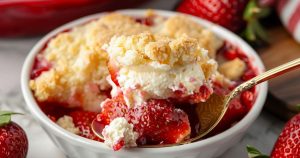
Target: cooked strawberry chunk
{"type": "Point", "coordinates": [83, 120]}
{"type": "Point", "coordinates": [156, 121]}
{"type": "Point", "coordinates": [201, 96]}
{"type": "Point", "coordinates": [40, 65]}
{"type": "Point", "coordinates": [247, 98]}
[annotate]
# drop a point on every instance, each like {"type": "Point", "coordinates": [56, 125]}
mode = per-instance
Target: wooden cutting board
{"type": "Point", "coordinates": [284, 91]}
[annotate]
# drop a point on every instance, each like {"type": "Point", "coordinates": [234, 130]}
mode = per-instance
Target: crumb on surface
{"type": "Point", "coordinates": [66, 122]}
{"type": "Point", "coordinates": [233, 69]}
{"type": "Point", "coordinates": [118, 133]}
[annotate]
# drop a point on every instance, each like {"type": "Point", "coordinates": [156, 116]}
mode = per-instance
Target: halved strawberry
{"type": "Point", "coordinates": [83, 120]}
{"type": "Point", "coordinates": [156, 121]}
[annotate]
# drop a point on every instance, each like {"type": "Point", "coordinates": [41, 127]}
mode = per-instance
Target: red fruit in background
{"type": "Point", "coordinates": [83, 120]}
{"type": "Point", "coordinates": [267, 2]}
{"type": "Point", "coordinates": [288, 142]}
{"type": "Point", "coordinates": [156, 121]}
{"type": "Point", "coordinates": [13, 139]}
{"type": "Point", "coordinates": [227, 13]}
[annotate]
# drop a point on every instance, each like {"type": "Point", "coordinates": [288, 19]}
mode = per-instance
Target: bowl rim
{"type": "Point", "coordinates": [57, 130]}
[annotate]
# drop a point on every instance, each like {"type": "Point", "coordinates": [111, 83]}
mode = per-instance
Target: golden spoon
{"type": "Point", "coordinates": [212, 111]}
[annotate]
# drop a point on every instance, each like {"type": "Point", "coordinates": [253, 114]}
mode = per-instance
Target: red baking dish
{"type": "Point", "coordinates": [33, 17]}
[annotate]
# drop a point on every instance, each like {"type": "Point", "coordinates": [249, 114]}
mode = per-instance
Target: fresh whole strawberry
{"type": "Point", "coordinates": [288, 142]}
{"type": "Point", "coordinates": [227, 13]}
{"type": "Point", "coordinates": [240, 16]}
{"type": "Point", "coordinates": [13, 139]}
{"type": "Point", "coordinates": [83, 120]}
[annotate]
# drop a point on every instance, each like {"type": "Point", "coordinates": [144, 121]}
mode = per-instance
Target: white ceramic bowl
{"type": "Point", "coordinates": [78, 147]}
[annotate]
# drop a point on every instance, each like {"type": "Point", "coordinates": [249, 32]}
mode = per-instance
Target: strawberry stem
{"type": "Point", "coordinates": [5, 117]}
{"type": "Point", "coordinates": [254, 29]}
{"type": "Point", "coordinates": [298, 107]}
{"type": "Point", "coordinates": [254, 153]}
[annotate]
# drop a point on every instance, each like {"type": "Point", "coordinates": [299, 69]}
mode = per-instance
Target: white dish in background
{"type": "Point", "coordinates": [78, 147]}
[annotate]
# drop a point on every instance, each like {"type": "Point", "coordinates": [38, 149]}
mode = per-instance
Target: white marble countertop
{"type": "Point", "coordinates": [262, 134]}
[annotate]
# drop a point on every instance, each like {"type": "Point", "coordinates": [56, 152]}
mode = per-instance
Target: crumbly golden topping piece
{"type": "Point", "coordinates": [180, 25]}
{"type": "Point", "coordinates": [148, 48]}
{"type": "Point", "coordinates": [79, 71]}
{"type": "Point", "coordinates": [67, 123]}
{"type": "Point", "coordinates": [233, 69]}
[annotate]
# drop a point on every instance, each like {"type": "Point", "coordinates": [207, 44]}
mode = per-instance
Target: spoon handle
{"type": "Point", "coordinates": [277, 71]}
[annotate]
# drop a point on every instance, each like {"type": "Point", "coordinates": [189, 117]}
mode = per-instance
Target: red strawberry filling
{"type": "Point", "coordinates": [40, 65]}
{"type": "Point", "coordinates": [201, 96]}
{"type": "Point", "coordinates": [83, 120]}
{"type": "Point", "coordinates": [156, 121]}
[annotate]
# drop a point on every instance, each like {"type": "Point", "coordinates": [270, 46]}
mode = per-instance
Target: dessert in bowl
{"type": "Point", "coordinates": [140, 75]}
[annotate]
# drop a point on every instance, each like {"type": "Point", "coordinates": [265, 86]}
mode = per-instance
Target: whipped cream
{"type": "Point", "coordinates": [119, 130]}
{"type": "Point", "coordinates": [143, 82]}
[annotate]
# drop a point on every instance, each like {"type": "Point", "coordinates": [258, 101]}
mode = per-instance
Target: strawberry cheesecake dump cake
{"type": "Point", "coordinates": [140, 78]}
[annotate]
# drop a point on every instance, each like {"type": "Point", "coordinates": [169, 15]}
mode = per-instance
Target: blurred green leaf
{"type": "Point", "coordinates": [254, 153]}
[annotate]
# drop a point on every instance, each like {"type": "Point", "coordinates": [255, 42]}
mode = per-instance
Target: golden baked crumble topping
{"type": "Point", "coordinates": [147, 47]}
{"type": "Point", "coordinates": [78, 73]}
